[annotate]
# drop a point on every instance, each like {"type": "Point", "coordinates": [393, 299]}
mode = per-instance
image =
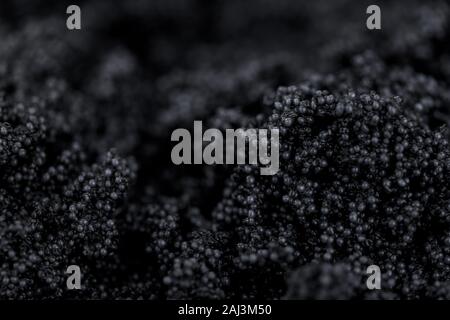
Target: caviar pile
{"type": "Point", "coordinates": [86, 176]}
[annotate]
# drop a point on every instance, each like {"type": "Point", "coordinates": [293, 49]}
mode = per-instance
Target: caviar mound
{"type": "Point", "coordinates": [85, 171]}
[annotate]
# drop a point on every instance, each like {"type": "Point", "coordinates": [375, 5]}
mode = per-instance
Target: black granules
{"type": "Point", "coordinates": [85, 171]}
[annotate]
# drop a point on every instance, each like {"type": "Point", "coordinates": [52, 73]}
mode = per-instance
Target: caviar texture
{"type": "Point", "coordinates": [85, 171]}
{"type": "Point", "coordinates": [328, 282]}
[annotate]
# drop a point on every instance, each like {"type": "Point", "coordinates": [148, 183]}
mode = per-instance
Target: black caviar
{"type": "Point", "coordinates": [86, 176]}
